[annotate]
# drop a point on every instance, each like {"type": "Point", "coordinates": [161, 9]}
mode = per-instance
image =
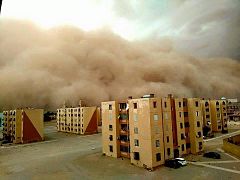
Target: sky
{"type": "Point", "coordinates": [198, 27]}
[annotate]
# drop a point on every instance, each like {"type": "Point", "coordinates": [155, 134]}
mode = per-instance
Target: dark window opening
{"type": "Point", "coordinates": [111, 148]}
{"type": "Point", "coordinates": [110, 128]}
{"type": "Point", "coordinates": [167, 138]}
{"type": "Point", "coordinates": [165, 104]}
{"type": "Point", "coordinates": [158, 157]}
{"type": "Point", "coordinates": [154, 104]}
{"type": "Point", "coordinates": [185, 114]}
{"type": "Point", "coordinates": [198, 124]}
{"type": "Point", "coordinates": [122, 105]}
{"type": "Point", "coordinates": [111, 137]}
{"type": "Point", "coordinates": [196, 103]}
{"type": "Point", "coordinates": [110, 107]}
{"type": "Point", "coordinates": [181, 125]}
{"type": "Point", "coordinates": [186, 124]}
{"type": "Point", "coordinates": [207, 116]}
{"type": "Point", "coordinates": [168, 151]}
{"type": "Point", "coordinates": [182, 136]}
{"type": "Point", "coordinates": [179, 104]}
{"type": "Point", "coordinates": [135, 105]}
{"type": "Point", "coordinates": [188, 145]}
{"type": "Point", "coordinates": [183, 147]}
{"type": "Point", "coordinates": [136, 156]}
{"type": "Point", "coordinates": [199, 134]}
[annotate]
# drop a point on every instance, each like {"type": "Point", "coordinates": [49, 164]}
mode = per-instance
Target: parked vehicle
{"type": "Point", "coordinates": [175, 163]}
{"type": "Point", "coordinates": [181, 161]}
{"type": "Point", "coordinates": [213, 155]}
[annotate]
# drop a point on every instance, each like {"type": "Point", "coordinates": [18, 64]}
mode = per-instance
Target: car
{"type": "Point", "coordinates": [181, 161]}
{"type": "Point", "coordinates": [213, 155]}
{"type": "Point", "coordinates": [175, 163]}
{"type": "Point", "coordinates": [172, 163]}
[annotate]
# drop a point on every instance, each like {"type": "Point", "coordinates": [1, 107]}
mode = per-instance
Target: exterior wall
{"type": "Point", "coordinates": [216, 115]}
{"type": "Point", "coordinates": [147, 118]}
{"type": "Point", "coordinates": [110, 128]}
{"type": "Point", "coordinates": [206, 110]}
{"type": "Point", "coordinates": [168, 118]}
{"type": "Point", "coordinates": [232, 145]}
{"type": "Point", "coordinates": [223, 110]}
{"type": "Point", "coordinates": [181, 110]}
{"type": "Point", "coordinates": [195, 125]}
{"type": "Point", "coordinates": [23, 125]}
{"type": "Point", "coordinates": [78, 120]}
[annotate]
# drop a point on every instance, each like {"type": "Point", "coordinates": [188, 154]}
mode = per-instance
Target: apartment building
{"type": "Point", "coordinates": [78, 120]}
{"type": "Point", "coordinates": [23, 125]}
{"type": "Point", "coordinates": [219, 115]}
{"type": "Point", "coordinates": [169, 122]}
{"type": "Point", "coordinates": [182, 145]}
{"type": "Point", "coordinates": [163, 127]}
{"type": "Point", "coordinates": [195, 125]}
{"type": "Point", "coordinates": [146, 132]}
{"type": "Point", "coordinates": [206, 110]}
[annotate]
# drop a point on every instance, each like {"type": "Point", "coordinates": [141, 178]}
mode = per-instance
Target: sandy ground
{"type": "Point", "coordinates": [65, 156]}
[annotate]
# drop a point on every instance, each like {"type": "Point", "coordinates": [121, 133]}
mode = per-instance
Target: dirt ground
{"type": "Point", "coordinates": [66, 156]}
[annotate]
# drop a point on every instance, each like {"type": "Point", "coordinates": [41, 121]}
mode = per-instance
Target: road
{"type": "Point", "coordinates": [66, 156]}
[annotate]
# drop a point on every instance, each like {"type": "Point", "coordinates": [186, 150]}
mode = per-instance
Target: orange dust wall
{"type": "Point", "coordinates": [195, 125]}
{"type": "Point", "coordinates": [182, 127]}
{"type": "Point", "coordinates": [206, 110]}
{"type": "Point", "coordinates": [110, 129]}
{"type": "Point", "coordinates": [168, 122]}
{"type": "Point", "coordinates": [146, 133]}
{"type": "Point", "coordinates": [24, 125]}
{"type": "Point", "coordinates": [216, 115]}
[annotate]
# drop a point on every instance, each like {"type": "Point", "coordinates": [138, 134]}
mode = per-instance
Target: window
{"type": "Point", "coordinates": [200, 145]}
{"type": "Point", "coordinates": [199, 134]}
{"type": "Point", "coordinates": [196, 103]}
{"type": "Point", "coordinates": [157, 143]}
{"type": "Point", "coordinates": [136, 142]}
{"type": "Point", "coordinates": [207, 110]}
{"type": "Point", "coordinates": [110, 128]}
{"type": "Point", "coordinates": [179, 104]}
{"type": "Point", "coordinates": [111, 148]}
{"type": "Point", "coordinates": [158, 157]}
{"type": "Point", "coordinates": [135, 105]}
{"type": "Point", "coordinates": [219, 127]}
{"type": "Point", "coordinates": [110, 137]}
{"type": "Point", "coordinates": [135, 130]}
{"type": "Point", "coordinates": [217, 103]}
{"type": "Point", "coordinates": [198, 123]}
{"type": "Point", "coordinates": [206, 104]}
{"type": "Point", "coordinates": [135, 117]}
{"type": "Point", "coordinates": [154, 104]}
{"type": "Point", "coordinates": [110, 117]}
{"type": "Point", "coordinates": [122, 105]}
{"type": "Point", "coordinates": [110, 107]}
{"type": "Point", "coordinates": [167, 138]}
{"type": "Point", "coordinates": [155, 117]}
{"type": "Point", "coordinates": [207, 116]}
{"type": "Point", "coordinates": [188, 145]}
{"type": "Point", "coordinates": [185, 114]}
{"type": "Point", "coordinates": [136, 156]}
{"type": "Point", "coordinates": [165, 104]}
{"type": "Point", "coordinates": [218, 109]}
{"type": "Point", "coordinates": [183, 147]}
{"type": "Point", "coordinates": [180, 114]}
{"type": "Point", "coordinates": [181, 125]}
{"type": "Point", "coordinates": [166, 115]}
{"type": "Point", "coordinates": [186, 124]}
{"type": "Point", "coordinates": [182, 136]}
{"type": "Point", "coordinates": [168, 151]}
{"type": "Point", "coordinates": [197, 113]}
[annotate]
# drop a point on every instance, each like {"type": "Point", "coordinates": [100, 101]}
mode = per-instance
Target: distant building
{"type": "Point", "coordinates": [150, 130]}
{"type": "Point", "coordinates": [23, 125]}
{"type": "Point", "coordinates": [233, 110]}
{"type": "Point", "coordinates": [78, 120]}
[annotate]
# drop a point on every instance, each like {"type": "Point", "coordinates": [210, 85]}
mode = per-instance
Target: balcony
{"type": "Point", "coordinates": [124, 132]}
{"type": "Point", "coordinates": [124, 121]}
{"type": "Point", "coordinates": [124, 143]}
{"type": "Point", "coordinates": [125, 154]}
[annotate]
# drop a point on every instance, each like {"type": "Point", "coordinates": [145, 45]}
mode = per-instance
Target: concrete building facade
{"type": "Point", "coordinates": [23, 125]}
{"type": "Point", "coordinates": [163, 127]}
{"type": "Point", "coordinates": [78, 120]}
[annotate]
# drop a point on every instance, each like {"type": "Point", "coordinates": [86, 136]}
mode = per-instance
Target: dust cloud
{"type": "Point", "coordinates": [44, 68]}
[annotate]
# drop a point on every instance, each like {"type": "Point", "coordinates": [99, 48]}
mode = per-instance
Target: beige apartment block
{"type": "Point", "coordinates": [168, 116]}
{"type": "Point", "coordinates": [206, 110]}
{"type": "Point", "coordinates": [216, 119]}
{"type": "Point", "coordinates": [146, 133]}
{"type": "Point", "coordinates": [23, 125]}
{"type": "Point", "coordinates": [223, 110]}
{"type": "Point", "coordinates": [182, 128]}
{"type": "Point", "coordinates": [78, 120]}
{"type": "Point", "coordinates": [111, 129]}
{"type": "Point", "coordinates": [195, 125]}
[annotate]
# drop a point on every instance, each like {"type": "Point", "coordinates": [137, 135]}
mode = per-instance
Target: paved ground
{"type": "Point", "coordinates": [64, 156]}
